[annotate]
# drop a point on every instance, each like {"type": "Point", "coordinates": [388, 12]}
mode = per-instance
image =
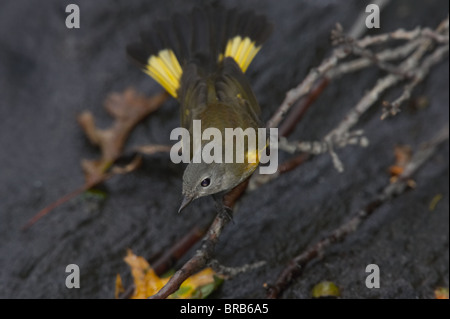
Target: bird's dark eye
{"type": "Point", "coordinates": [205, 182]}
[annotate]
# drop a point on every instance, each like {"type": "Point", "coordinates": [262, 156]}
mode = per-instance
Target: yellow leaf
{"type": "Point", "coordinates": [147, 283]}
{"type": "Point", "coordinates": [191, 285]}
{"type": "Point", "coordinates": [325, 289]}
{"type": "Point", "coordinates": [434, 202]}
{"type": "Point", "coordinates": [441, 293]}
{"type": "Point", "coordinates": [119, 287]}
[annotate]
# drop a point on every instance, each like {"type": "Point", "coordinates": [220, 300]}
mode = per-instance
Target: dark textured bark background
{"type": "Point", "coordinates": [48, 74]}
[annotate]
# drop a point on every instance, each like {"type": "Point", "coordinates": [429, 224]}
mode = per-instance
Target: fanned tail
{"type": "Point", "coordinates": [204, 37]}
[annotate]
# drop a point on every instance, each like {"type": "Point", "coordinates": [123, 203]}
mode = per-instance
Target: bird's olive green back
{"type": "Point", "coordinates": [222, 100]}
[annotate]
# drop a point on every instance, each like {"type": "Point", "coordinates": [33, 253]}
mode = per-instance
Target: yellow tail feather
{"type": "Point", "coordinates": [242, 50]}
{"type": "Point", "coordinates": [166, 70]}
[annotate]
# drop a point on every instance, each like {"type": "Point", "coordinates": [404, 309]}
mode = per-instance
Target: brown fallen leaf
{"type": "Point", "coordinates": [127, 109]}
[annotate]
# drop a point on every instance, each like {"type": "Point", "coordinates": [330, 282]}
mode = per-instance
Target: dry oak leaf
{"type": "Point", "coordinates": [127, 109]}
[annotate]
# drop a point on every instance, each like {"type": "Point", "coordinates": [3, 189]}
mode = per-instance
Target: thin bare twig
{"type": "Point", "coordinates": [299, 110]}
{"type": "Point", "coordinates": [170, 256]}
{"type": "Point", "coordinates": [305, 86]}
{"type": "Point", "coordinates": [400, 186]}
{"type": "Point", "coordinates": [367, 54]}
{"type": "Point", "coordinates": [229, 272]}
{"type": "Point", "coordinates": [204, 254]}
{"type": "Point", "coordinates": [408, 35]}
{"type": "Point", "coordinates": [257, 180]}
{"type": "Point", "coordinates": [391, 109]}
{"type": "Point", "coordinates": [293, 95]}
{"type": "Point", "coordinates": [341, 134]}
{"type": "Point", "coordinates": [197, 262]}
{"type": "Point", "coordinates": [320, 147]}
{"type": "Point", "coordinates": [390, 54]}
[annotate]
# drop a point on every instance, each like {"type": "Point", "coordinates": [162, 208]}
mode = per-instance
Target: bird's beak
{"type": "Point", "coordinates": [186, 200]}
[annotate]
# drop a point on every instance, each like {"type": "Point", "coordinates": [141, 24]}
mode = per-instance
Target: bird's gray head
{"type": "Point", "coordinates": [202, 179]}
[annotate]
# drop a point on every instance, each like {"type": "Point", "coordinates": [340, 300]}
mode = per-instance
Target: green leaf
{"type": "Point", "coordinates": [204, 291]}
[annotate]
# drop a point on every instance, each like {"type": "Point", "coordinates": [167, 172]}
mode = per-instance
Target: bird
{"type": "Point", "coordinates": [200, 59]}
